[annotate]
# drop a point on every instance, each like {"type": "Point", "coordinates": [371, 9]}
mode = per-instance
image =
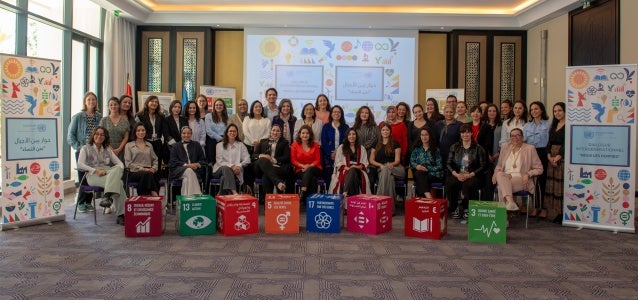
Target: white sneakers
{"type": "Point", "coordinates": [511, 206]}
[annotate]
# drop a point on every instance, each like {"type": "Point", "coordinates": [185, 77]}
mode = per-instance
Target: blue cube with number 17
{"type": "Point", "coordinates": [323, 213]}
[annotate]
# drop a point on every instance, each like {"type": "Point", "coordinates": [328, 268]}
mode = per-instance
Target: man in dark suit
{"type": "Point", "coordinates": [272, 159]}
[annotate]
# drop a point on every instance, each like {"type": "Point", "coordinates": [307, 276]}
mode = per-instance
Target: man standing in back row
{"type": "Point", "coordinates": [271, 108]}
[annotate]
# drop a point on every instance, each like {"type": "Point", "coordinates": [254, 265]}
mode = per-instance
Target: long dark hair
{"type": "Point", "coordinates": [224, 113]}
{"type": "Point", "coordinates": [129, 113]}
{"type": "Point", "coordinates": [251, 114]}
{"type": "Point", "coordinates": [554, 120]}
{"type": "Point", "coordinates": [317, 102]}
{"type": "Point", "coordinates": [523, 116]}
{"type": "Point", "coordinates": [185, 109]}
{"type": "Point", "coordinates": [173, 104]}
{"type": "Point", "coordinates": [389, 147]}
{"type": "Point", "coordinates": [486, 118]}
{"type": "Point", "coordinates": [436, 115]}
{"type": "Point", "coordinates": [511, 105]}
{"type": "Point", "coordinates": [342, 120]}
{"type": "Point", "coordinates": [303, 111]}
{"type": "Point", "coordinates": [145, 109]}
{"type": "Point", "coordinates": [107, 138]}
{"type": "Point", "coordinates": [225, 137]}
{"type": "Point", "coordinates": [544, 115]}
{"type": "Point", "coordinates": [432, 144]}
{"type": "Point", "coordinates": [357, 119]}
{"type": "Point", "coordinates": [346, 143]}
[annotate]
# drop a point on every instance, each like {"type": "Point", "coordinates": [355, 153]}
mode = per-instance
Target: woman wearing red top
{"type": "Point", "coordinates": [399, 130]}
{"type": "Point", "coordinates": [475, 114]}
{"type": "Point", "coordinates": [305, 157]}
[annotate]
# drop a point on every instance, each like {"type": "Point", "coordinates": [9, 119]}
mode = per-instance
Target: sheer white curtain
{"type": "Point", "coordinates": [119, 56]}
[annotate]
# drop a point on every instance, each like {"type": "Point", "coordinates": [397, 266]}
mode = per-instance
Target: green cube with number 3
{"type": "Point", "coordinates": [487, 222]}
{"type": "Point", "coordinates": [196, 215]}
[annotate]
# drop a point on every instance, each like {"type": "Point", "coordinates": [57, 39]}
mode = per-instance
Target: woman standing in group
{"type": "Point", "coordinates": [536, 133]}
{"type": "Point", "coordinates": [322, 108]}
{"type": "Point", "coordinates": [385, 163]}
{"type": "Point", "coordinates": [173, 123]}
{"type": "Point", "coordinates": [426, 163]}
{"type": "Point", "coordinates": [432, 111]}
{"type": "Point", "coordinates": [332, 135]}
{"type": "Point", "coordinates": [306, 158]}
{"type": "Point", "coordinates": [272, 161]}
{"type": "Point", "coordinates": [414, 127]}
{"type": "Point", "coordinates": [351, 162]}
{"type": "Point", "coordinates": [202, 106]}
{"type": "Point", "coordinates": [231, 159]}
{"type": "Point", "coordinates": [367, 129]}
{"type": "Point", "coordinates": [126, 110]}
{"type": "Point", "coordinates": [448, 131]}
{"type": "Point", "coordinates": [256, 127]}
{"type": "Point", "coordinates": [308, 118]}
{"type": "Point", "coordinates": [399, 131]}
{"type": "Point", "coordinates": [153, 119]}
{"type": "Point", "coordinates": [555, 167]}
{"type": "Point", "coordinates": [403, 113]}
{"type": "Point", "coordinates": [187, 163]}
{"type": "Point", "coordinates": [142, 162]}
{"type": "Point", "coordinates": [104, 169]}
{"type": "Point", "coordinates": [488, 137]}
{"type": "Point", "coordinates": [461, 113]}
{"type": "Point", "coordinates": [506, 110]}
{"type": "Point", "coordinates": [239, 117]}
{"type": "Point", "coordinates": [465, 164]}
{"type": "Point", "coordinates": [197, 125]}
{"type": "Point", "coordinates": [81, 128]}
{"type": "Point", "coordinates": [285, 119]}
{"type": "Point", "coordinates": [517, 121]}
{"type": "Point", "coordinates": [215, 123]}
{"type": "Point", "coordinates": [477, 121]}
{"type": "Point", "coordinates": [117, 127]}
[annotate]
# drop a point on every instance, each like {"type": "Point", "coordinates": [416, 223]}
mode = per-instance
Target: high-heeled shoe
{"type": "Point", "coordinates": [543, 214]}
{"type": "Point", "coordinates": [533, 212]}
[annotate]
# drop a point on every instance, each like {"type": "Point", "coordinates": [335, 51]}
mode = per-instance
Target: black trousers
{"type": "Point", "coordinates": [469, 188]}
{"type": "Point", "coordinates": [271, 174]}
{"type": "Point", "coordinates": [423, 182]}
{"type": "Point", "coordinates": [309, 181]}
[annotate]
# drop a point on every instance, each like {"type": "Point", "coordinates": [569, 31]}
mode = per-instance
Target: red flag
{"type": "Point", "coordinates": [129, 90]}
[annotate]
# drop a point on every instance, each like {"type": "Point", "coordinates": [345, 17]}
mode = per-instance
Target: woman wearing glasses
{"type": "Point", "coordinates": [517, 164]}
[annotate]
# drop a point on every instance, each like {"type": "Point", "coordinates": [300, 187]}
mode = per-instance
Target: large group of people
{"type": "Point", "coordinates": [465, 150]}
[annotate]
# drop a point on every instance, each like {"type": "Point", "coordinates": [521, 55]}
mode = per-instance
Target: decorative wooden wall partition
{"type": "Point", "coordinates": [488, 65]}
{"type": "Point", "coordinates": [154, 61]}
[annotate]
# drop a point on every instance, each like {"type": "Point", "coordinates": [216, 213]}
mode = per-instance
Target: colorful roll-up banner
{"type": "Point", "coordinates": [600, 147]}
{"type": "Point", "coordinates": [32, 185]}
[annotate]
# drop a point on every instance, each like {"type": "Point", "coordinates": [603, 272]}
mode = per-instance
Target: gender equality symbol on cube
{"type": "Point", "coordinates": [242, 223]}
{"type": "Point", "coordinates": [282, 220]}
{"type": "Point", "coordinates": [323, 220]}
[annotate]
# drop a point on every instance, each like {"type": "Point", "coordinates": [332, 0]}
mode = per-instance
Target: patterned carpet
{"type": "Point", "coordinates": [76, 259]}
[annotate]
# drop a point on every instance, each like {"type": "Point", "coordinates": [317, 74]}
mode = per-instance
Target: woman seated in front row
{"type": "Point", "coordinates": [187, 163]}
{"type": "Point", "coordinates": [465, 162]}
{"type": "Point", "coordinates": [142, 162]}
{"type": "Point", "coordinates": [385, 162]}
{"type": "Point", "coordinates": [425, 162]}
{"type": "Point", "coordinates": [104, 169]}
{"type": "Point", "coordinates": [272, 160]}
{"type": "Point", "coordinates": [517, 164]}
{"type": "Point", "coordinates": [231, 156]}
{"type": "Point", "coordinates": [306, 158]}
{"type": "Point", "coordinates": [351, 163]}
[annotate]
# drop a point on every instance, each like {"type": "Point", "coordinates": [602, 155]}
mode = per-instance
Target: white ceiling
{"type": "Point", "coordinates": [428, 15]}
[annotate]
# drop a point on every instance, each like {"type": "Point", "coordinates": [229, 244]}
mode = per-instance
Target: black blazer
{"type": "Point", "coordinates": [178, 158]}
{"type": "Point", "coordinates": [171, 130]}
{"type": "Point", "coordinates": [282, 151]}
{"type": "Point", "coordinates": [159, 125]}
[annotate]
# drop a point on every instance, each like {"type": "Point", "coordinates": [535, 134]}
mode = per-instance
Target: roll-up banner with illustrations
{"type": "Point", "coordinates": [600, 147]}
{"type": "Point", "coordinates": [32, 188]}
